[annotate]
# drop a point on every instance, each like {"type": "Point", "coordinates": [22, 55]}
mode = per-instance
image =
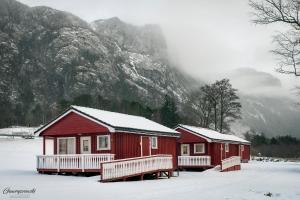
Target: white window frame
{"type": "Point", "coordinates": [81, 143]}
{"type": "Point", "coordinates": [188, 149]}
{"type": "Point", "coordinates": [226, 147]}
{"type": "Point", "coordinates": [152, 143]}
{"type": "Point", "coordinates": [201, 152]}
{"type": "Point", "coordinates": [59, 138]}
{"type": "Point", "coordinates": [108, 142]}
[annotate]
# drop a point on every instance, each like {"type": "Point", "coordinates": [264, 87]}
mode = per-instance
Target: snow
{"type": "Point", "coordinates": [214, 135]}
{"type": "Point", "coordinates": [18, 130]}
{"type": "Point", "coordinates": [125, 121]}
{"type": "Point", "coordinates": [17, 171]}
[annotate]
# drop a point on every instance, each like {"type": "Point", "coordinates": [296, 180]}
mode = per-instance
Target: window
{"type": "Point", "coordinates": [66, 145]}
{"type": "Point", "coordinates": [242, 147]}
{"type": "Point", "coordinates": [185, 149]}
{"type": "Point", "coordinates": [226, 147]}
{"type": "Point", "coordinates": [154, 142]}
{"type": "Point", "coordinates": [199, 148]}
{"type": "Point", "coordinates": [103, 142]}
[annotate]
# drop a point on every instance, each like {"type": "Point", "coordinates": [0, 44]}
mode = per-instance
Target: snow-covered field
{"type": "Point", "coordinates": [17, 171]}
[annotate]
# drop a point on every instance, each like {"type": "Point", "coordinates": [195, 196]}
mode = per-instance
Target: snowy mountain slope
{"type": "Point", "coordinates": [49, 55]}
{"type": "Point", "coordinates": [269, 115]}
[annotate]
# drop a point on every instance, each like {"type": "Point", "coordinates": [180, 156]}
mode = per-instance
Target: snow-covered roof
{"type": "Point", "coordinates": [120, 121]}
{"type": "Point", "coordinates": [211, 134]}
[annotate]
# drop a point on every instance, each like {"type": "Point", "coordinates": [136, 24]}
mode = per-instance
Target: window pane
{"type": "Point", "coordinates": [103, 142]}
{"type": "Point", "coordinates": [71, 146]}
{"type": "Point", "coordinates": [199, 148]}
{"type": "Point", "coordinates": [154, 142]}
{"type": "Point", "coordinates": [85, 145]}
{"type": "Point", "coordinates": [62, 146]}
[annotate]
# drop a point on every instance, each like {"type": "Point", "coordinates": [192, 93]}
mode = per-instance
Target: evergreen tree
{"type": "Point", "coordinates": [168, 113]}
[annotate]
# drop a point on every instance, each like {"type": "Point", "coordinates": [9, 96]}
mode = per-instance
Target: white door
{"type": "Point", "coordinates": [49, 146]}
{"type": "Point", "coordinates": [85, 145]}
{"type": "Point", "coordinates": [185, 149]}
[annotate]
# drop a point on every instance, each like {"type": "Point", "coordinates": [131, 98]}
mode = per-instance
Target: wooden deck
{"type": "Point", "coordinates": [125, 168]}
{"type": "Point", "coordinates": [72, 162]}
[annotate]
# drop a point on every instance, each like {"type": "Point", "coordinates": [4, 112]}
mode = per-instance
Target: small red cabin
{"type": "Point", "coordinates": [82, 138]}
{"type": "Point", "coordinates": [205, 148]}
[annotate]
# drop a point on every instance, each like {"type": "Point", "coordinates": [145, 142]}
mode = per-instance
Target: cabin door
{"type": "Point", "coordinates": [49, 146]}
{"type": "Point", "coordinates": [85, 145]}
{"type": "Point", "coordinates": [185, 149]}
{"type": "Point", "coordinates": [145, 146]}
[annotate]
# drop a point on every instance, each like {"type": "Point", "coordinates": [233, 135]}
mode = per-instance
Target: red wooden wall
{"type": "Point", "coordinates": [72, 124]}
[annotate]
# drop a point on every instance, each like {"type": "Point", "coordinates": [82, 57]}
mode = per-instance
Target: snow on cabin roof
{"type": "Point", "coordinates": [211, 134]}
{"type": "Point", "coordinates": [121, 121]}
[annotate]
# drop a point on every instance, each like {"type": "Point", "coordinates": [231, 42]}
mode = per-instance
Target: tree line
{"type": "Point", "coordinates": [280, 146]}
{"type": "Point", "coordinates": [212, 106]}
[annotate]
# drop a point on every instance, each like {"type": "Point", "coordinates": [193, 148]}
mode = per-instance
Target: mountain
{"type": "Point", "coordinates": [49, 55]}
{"type": "Point", "coordinates": [271, 116]}
{"type": "Point", "coordinates": [266, 106]}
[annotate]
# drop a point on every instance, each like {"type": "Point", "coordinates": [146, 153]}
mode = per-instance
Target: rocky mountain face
{"type": "Point", "coordinates": [47, 55]}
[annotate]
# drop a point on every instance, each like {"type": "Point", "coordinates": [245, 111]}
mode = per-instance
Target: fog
{"type": "Point", "coordinates": [206, 39]}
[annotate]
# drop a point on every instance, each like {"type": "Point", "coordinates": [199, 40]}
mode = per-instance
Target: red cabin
{"type": "Point", "coordinates": [205, 148]}
{"type": "Point", "coordinates": [85, 139]}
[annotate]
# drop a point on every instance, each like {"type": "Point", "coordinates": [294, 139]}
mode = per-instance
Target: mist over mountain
{"type": "Point", "coordinates": [267, 107]}
{"type": "Point", "coordinates": [47, 56]}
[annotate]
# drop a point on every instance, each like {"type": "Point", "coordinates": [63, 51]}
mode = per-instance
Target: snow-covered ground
{"type": "Point", "coordinates": [17, 171]}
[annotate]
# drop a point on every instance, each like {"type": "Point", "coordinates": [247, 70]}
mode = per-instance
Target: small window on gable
{"type": "Point", "coordinates": [103, 142]}
{"type": "Point", "coordinates": [199, 148]}
{"type": "Point", "coordinates": [226, 147]}
{"type": "Point", "coordinates": [154, 142]}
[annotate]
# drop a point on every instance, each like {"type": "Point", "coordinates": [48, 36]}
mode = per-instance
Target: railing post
{"type": "Point", "coordinates": [82, 163]}
{"type": "Point", "coordinates": [58, 163]}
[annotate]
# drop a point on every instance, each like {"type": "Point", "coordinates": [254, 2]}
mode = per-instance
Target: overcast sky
{"type": "Point", "coordinates": [205, 37]}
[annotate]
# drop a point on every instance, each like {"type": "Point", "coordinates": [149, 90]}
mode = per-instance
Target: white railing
{"type": "Point", "coordinates": [135, 166]}
{"type": "Point", "coordinates": [194, 161]}
{"type": "Point", "coordinates": [73, 161]}
{"type": "Point", "coordinates": [230, 162]}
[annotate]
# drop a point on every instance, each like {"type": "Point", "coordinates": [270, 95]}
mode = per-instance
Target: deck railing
{"type": "Point", "coordinates": [194, 161]}
{"type": "Point", "coordinates": [79, 162]}
{"type": "Point", "coordinates": [230, 162]}
{"type": "Point", "coordinates": [123, 168]}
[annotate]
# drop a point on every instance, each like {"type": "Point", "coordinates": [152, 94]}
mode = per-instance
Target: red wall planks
{"type": "Point", "coordinates": [187, 137]}
{"type": "Point", "coordinates": [74, 124]}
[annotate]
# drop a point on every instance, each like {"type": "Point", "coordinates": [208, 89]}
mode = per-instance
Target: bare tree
{"type": "Point", "coordinates": [288, 43]}
{"type": "Point", "coordinates": [229, 105]}
{"type": "Point", "coordinates": [217, 104]}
